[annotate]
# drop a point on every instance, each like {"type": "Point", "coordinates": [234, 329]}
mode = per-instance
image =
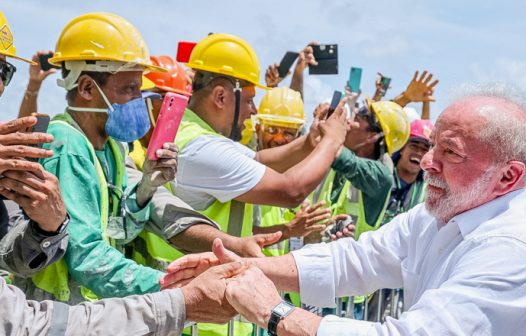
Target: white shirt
{"type": "Point", "coordinates": [467, 277]}
{"type": "Point", "coordinates": [213, 167]}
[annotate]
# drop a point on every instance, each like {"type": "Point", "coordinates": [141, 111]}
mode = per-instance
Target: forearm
{"type": "Point", "coordinates": [377, 96]}
{"type": "Point", "coordinates": [144, 193]}
{"type": "Point", "coordinates": [402, 100]}
{"type": "Point", "coordinates": [199, 238]}
{"type": "Point", "coordinates": [284, 157]}
{"type": "Point", "coordinates": [160, 313]}
{"type": "Point", "coordinates": [426, 111]}
{"type": "Point", "coordinates": [296, 83]}
{"type": "Point", "coordinates": [281, 270]}
{"type": "Point", "coordinates": [29, 100]}
{"type": "Point", "coordinates": [300, 322]}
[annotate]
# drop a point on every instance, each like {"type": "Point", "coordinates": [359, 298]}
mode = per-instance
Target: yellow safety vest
{"type": "Point", "coordinates": [54, 278]}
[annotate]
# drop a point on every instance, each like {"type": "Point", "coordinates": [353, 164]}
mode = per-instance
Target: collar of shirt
{"type": "Point", "coordinates": [471, 219]}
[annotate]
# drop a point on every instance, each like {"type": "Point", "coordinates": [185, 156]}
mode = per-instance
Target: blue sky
{"type": "Point", "coordinates": [459, 41]}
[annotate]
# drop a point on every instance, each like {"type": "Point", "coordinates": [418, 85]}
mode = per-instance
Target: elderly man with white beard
{"type": "Point", "coordinates": [460, 257]}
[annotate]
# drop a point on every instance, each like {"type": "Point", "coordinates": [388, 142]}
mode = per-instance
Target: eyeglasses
{"type": "Point", "coordinates": [288, 133]}
{"type": "Point", "coordinates": [7, 70]}
{"type": "Point", "coordinates": [372, 122]}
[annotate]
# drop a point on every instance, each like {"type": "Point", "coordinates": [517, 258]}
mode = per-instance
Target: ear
{"type": "Point", "coordinates": [86, 88]}
{"type": "Point", "coordinates": [219, 96]}
{"type": "Point", "coordinates": [512, 178]}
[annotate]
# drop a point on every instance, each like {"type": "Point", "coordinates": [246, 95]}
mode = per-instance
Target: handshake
{"type": "Point", "coordinates": [218, 285]}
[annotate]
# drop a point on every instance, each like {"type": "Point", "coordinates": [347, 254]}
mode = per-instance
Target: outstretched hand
{"type": "Point", "coordinates": [418, 90]}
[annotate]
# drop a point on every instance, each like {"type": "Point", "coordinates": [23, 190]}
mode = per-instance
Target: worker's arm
{"type": "Point", "coordinates": [290, 188]}
{"type": "Point", "coordinates": [36, 77]}
{"type": "Point", "coordinates": [87, 248]}
{"type": "Point", "coordinates": [305, 58]}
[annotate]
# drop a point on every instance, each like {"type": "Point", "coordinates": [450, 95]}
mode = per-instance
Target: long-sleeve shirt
{"type": "Point", "coordinates": [23, 250]}
{"type": "Point", "coordinates": [92, 262]}
{"type": "Point", "coordinates": [464, 277]}
{"type": "Point", "coordinates": [372, 178]}
{"type": "Point", "coordinates": [161, 313]}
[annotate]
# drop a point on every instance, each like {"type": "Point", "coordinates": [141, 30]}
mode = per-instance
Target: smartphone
{"type": "Point", "coordinates": [40, 127]}
{"type": "Point", "coordinates": [184, 50]}
{"type": "Point", "coordinates": [355, 77]}
{"type": "Point", "coordinates": [336, 97]}
{"type": "Point", "coordinates": [327, 57]}
{"type": "Point", "coordinates": [44, 62]}
{"type": "Point", "coordinates": [167, 123]}
{"type": "Point", "coordinates": [385, 82]}
{"type": "Point", "coordinates": [286, 63]}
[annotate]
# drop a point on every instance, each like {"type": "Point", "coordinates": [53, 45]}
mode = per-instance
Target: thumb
{"type": "Point", "coordinates": [268, 238]}
{"type": "Point", "coordinates": [224, 255]}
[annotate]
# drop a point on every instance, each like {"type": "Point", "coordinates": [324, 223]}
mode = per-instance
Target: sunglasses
{"type": "Point", "coordinates": [7, 70]}
{"type": "Point", "coordinates": [373, 124]}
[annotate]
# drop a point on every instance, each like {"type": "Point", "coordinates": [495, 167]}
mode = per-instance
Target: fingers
{"type": "Point", "coordinates": [17, 125]}
{"type": "Point", "coordinates": [321, 111]}
{"type": "Point", "coordinates": [315, 207]}
{"type": "Point", "coordinates": [222, 254]}
{"type": "Point", "coordinates": [316, 228]}
{"type": "Point", "coordinates": [178, 279]}
{"type": "Point", "coordinates": [432, 85]}
{"type": "Point", "coordinates": [268, 238]}
{"type": "Point", "coordinates": [16, 164]}
{"type": "Point", "coordinates": [21, 151]}
{"type": "Point", "coordinates": [340, 110]}
{"type": "Point", "coordinates": [415, 76]}
{"type": "Point", "coordinates": [191, 261]}
{"type": "Point", "coordinates": [20, 138]}
{"type": "Point", "coordinates": [229, 270]}
{"type": "Point", "coordinates": [169, 151]}
{"type": "Point", "coordinates": [25, 189]}
{"type": "Point", "coordinates": [422, 76]}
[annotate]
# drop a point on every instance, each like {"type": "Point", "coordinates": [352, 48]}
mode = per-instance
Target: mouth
{"type": "Point", "coordinates": [415, 160]}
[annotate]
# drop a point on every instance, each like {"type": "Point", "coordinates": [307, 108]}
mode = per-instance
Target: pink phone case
{"type": "Point", "coordinates": [167, 123]}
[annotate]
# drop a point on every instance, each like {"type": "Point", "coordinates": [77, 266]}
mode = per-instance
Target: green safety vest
{"type": "Point", "coordinates": [416, 194]}
{"type": "Point", "coordinates": [233, 217]}
{"type": "Point", "coordinates": [54, 278]}
{"type": "Point", "coordinates": [269, 216]}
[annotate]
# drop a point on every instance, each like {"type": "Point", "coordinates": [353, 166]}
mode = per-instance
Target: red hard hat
{"type": "Point", "coordinates": [421, 130]}
{"type": "Point", "coordinates": [174, 80]}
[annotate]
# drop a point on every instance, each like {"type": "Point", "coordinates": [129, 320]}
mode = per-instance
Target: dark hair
{"type": "Point", "coordinates": [100, 78]}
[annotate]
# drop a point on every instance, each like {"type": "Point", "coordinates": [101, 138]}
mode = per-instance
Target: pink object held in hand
{"type": "Point", "coordinates": [167, 123]}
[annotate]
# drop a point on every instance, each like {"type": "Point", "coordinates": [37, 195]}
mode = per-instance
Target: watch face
{"type": "Point", "coordinates": [282, 308]}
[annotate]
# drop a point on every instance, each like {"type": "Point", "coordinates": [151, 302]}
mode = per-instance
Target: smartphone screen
{"type": "Point", "coordinates": [40, 127]}
{"type": "Point", "coordinates": [336, 97]}
{"type": "Point", "coordinates": [184, 50]}
{"type": "Point", "coordinates": [385, 82]}
{"type": "Point", "coordinates": [44, 62]}
{"type": "Point", "coordinates": [355, 78]}
{"type": "Point", "coordinates": [286, 63]}
{"type": "Point", "coordinates": [167, 122]}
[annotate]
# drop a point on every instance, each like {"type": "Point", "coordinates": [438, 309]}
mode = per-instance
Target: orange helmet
{"type": "Point", "coordinates": [174, 80]}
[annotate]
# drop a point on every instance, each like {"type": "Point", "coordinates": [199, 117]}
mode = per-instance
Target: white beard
{"type": "Point", "coordinates": [449, 204]}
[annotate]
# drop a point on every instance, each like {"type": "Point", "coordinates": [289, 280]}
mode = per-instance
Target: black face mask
{"type": "Point", "coordinates": [7, 70]}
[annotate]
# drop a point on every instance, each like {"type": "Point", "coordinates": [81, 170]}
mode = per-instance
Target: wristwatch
{"type": "Point", "coordinates": [279, 312]}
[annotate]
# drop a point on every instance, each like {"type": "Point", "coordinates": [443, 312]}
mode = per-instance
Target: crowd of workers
{"type": "Point", "coordinates": [100, 238]}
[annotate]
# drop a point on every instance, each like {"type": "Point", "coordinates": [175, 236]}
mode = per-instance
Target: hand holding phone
{"type": "Point", "coordinates": [44, 62]}
{"type": "Point", "coordinates": [336, 97]}
{"type": "Point", "coordinates": [327, 57]}
{"type": "Point", "coordinates": [286, 63]}
{"type": "Point", "coordinates": [167, 123]}
{"type": "Point", "coordinates": [384, 82]}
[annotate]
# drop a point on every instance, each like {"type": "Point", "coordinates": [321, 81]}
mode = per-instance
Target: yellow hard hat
{"type": "Point", "coordinates": [7, 45]}
{"type": "Point", "coordinates": [147, 84]}
{"type": "Point", "coordinates": [394, 122]}
{"type": "Point", "coordinates": [228, 55]}
{"type": "Point", "coordinates": [102, 37]}
{"type": "Point", "coordinates": [282, 107]}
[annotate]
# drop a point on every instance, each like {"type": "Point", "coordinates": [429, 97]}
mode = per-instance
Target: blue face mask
{"type": "Point", "coordinates": [126, 122]}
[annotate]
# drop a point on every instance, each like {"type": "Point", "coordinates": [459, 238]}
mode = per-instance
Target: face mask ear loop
{"type": "Point", "coordinates": [150, 111]}
{"type": "Point", "coordinates": [103, 96]}
{"type": "Point", "coordinates": [235, 134]}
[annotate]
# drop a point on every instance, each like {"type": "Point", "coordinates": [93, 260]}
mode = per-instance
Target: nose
{"type": "Point", "coordinates": [429, 163]}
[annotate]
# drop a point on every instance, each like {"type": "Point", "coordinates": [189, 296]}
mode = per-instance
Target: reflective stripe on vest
{"type": "Point", "coordinates": [233, 217]}
{"type": "Point", "coordinates": [54, 278]}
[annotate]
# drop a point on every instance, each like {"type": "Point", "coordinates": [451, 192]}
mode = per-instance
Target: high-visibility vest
{"type": "Point", "coordinates": [54, 278]}
{"type": "Point", "coordinates": [233, 217]}
{"type": "Point", "coordinates": [268, 216]}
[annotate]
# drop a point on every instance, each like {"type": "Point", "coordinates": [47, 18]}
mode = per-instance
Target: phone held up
{"type": "Point", "coordinates": [327, 57]}
{"type": "Point", "coordinates": [385, 82]}
{"type": "Point", "coordinates": [286, 63]}
{"type": "Point", "coordinates": [355, 78]}
{"type": "Point", "coordinates": [167, 124]}
{"type": "Point", "coordinates": [336, 97]}
{"type": "Point", "coordinates": [44, 62]}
